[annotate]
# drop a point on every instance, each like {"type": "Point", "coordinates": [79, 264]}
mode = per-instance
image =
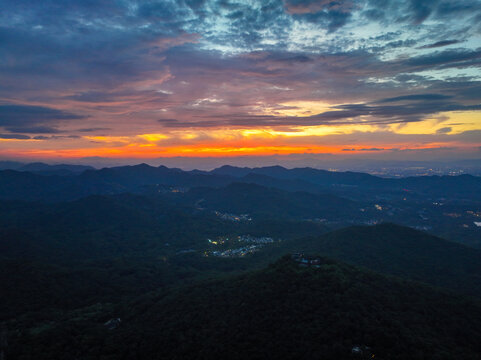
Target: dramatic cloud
{"type": "Point", "coordinates": [32, 119]}
{"type": "Point", "coordinates": [105, 77]}
{"type": "Point", "coordinates": [345, 114]}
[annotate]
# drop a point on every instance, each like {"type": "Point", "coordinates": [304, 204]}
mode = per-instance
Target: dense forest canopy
{"type": "Point", "coordinates": [143, 263]}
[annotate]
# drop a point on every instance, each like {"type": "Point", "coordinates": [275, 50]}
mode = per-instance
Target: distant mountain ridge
{"type": "Point", "coordinates": [360, 180]}
{"type": "Point", "coordinates": [16, 184]}
{"type": "Point", "coordinates": [308, 174]}
{"type": "Point", "coordinates": [46, 169]}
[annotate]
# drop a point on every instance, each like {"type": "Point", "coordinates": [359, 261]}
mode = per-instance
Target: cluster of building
{"type": "Point", "coordinates": [233, 217]}
{"type": "Point", "coordinates": [219, 241]}
{"type": "Point", "coordinates": [306, 261]}
{"type": "Point", "coordinates": [238, 252]}
{"type": "Point", "coordinates": [255, 240]}
{"type": "Point", "coordinates": [474, 213]}
{"type": "Point", "coordinates": [163, 189]}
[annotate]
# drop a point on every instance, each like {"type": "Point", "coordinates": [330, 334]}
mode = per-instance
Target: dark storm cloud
{"type": "Point", "coordinates": [440, 44]}
{"type": "Point", "coordinates": [94, 129]}
{"type": "Point", "coordinates": [14, 136]}
{"type": "Point", "coordinates": [55, 137]}
{"type": "Point", "coordinates": [419, 97]}
{"type": "Point", "coordinates": [367, 149]}
{"type": "Point", "coordinates": [447, 58]}
{"type": "Point", "coordinates": [99, 60]}
{"type": "Point", "coordinates": [33, 119]}
{"type": "Point", "coordinates": [168, 121]}
{"type": "Point", "coordinates": [371, 149]}
{"type": "Point", "coordinates": [33, 129]}
{"type": "Point", "coordinates": [77, 45]}
{"type": "Point", "coordinates": [444, 130]}
{"type": "Point", "coordinates": [11, 115]}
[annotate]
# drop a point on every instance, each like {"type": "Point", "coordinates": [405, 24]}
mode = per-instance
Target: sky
{"type": "Point", "coordinates": [134, 80]}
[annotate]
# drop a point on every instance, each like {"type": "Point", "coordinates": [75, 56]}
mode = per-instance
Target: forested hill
{"type": "Point", "coordinates": [260, 201]}
{"type": "Point", "coordinates": [99, 227]}
{"type": "Point", "coordinates": [405, 252]}
{"type": "Point", "coordinates": [282, 312]}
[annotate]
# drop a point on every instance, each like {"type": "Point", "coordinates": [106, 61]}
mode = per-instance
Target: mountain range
{"type": "Point", "coordinates": [133, 178]}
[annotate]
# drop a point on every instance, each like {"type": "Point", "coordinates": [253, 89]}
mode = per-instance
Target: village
{"type": "Point", "coordinates": [306, 261]}
{"type": "Point", "coordinates": [237, 252]}
{"type": "Point", "coordinates": [233, 217]}
{"type": "Point", "coordinates": [255, 244]}
{"type": "Point", "coordinates": [255, 240]}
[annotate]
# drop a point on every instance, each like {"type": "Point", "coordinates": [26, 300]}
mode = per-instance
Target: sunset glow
{"type": "Point", "coordinates": [304, 77]}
